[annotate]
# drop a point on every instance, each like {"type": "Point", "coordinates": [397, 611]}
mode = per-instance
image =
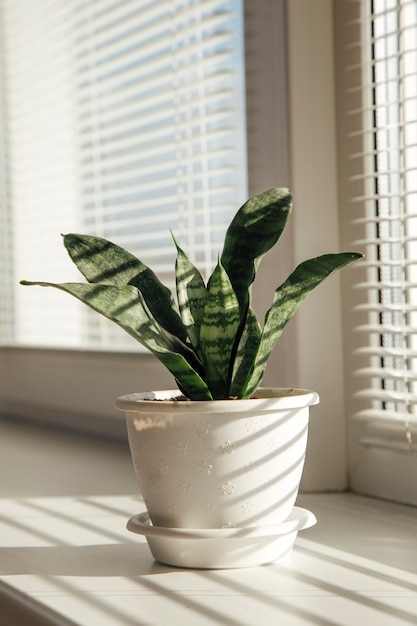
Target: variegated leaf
{"type": "Point", "coordinates": [218, 330]}
{"type": "Point", "coordinates": [125, 306]}
{"type": "Point", "coordinates": [253, 231]}
{"type": "Point", "coordinates": [288, 298]}
{"type": "Point", "coordinates": [101, 261]}
{"type": "Point", "coordinates": [191, 295]}
{"type": "Point", "coordinates": [244, 361]}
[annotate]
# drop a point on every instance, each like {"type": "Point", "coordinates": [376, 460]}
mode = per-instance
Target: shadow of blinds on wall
{"type": "Point", "coordinates": [387, 175]}
{"type": "Point", "coordinates": [125, 120]}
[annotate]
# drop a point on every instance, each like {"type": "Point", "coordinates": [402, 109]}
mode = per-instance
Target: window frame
{"type": "Point", "coordinates": [379, 463]}
{"type": "Point", "coordinates": [286, 42]}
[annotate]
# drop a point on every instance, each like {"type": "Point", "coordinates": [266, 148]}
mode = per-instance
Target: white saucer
{"type": "Point", "coordinates": [215, 548]}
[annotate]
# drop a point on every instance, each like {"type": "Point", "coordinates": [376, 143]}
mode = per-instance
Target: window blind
{"type": "Point", "coordinates": [386, 189]}
{"type": "Point", "coordinates": [126, 120]}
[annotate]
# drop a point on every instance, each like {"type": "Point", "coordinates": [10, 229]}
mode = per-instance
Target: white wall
{"type": "Point", "coordinates": [312, 116]}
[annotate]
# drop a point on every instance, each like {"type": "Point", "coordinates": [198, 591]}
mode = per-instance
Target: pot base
{"type": "Point", "coordinates": [222, 548]}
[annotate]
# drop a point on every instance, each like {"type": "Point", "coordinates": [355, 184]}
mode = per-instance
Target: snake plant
{"type": "Point", "coordinates": [209, 339]}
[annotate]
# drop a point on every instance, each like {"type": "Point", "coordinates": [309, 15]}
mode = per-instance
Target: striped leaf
{"type": "Point", "coordinates": [191, 295]}
{"type": "Point", "coordinates": [287, 299]}
{"type": "Point", "coordinates": [244, 361]}
{"type": "Point", "coordinates": [253, 231]}
{"type": "Point", "coordinates": [125, 306]}
{"type": "Point", "coordinates": [218, 330]}
{"type": "Point", "coordinates": [101, 261]}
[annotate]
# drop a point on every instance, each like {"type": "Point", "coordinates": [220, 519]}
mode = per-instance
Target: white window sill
{"type": "Point", "coordinates": [66, 557]}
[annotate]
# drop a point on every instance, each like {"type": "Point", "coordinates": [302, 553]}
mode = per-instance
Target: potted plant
{"type": "Point", "coordinates": [220, 456]}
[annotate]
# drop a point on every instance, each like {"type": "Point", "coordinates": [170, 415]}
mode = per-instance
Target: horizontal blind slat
{"type": "Point", "coordinates": [388, 396]}
{"type": "Point", "coordinates": [385, 416]}
{"type": "Point", "coordinates": [379, 307]}
{"type": "Point", "coordinates": [388, 329]}
{"type": "Point", "coordinates": [384, 373]}
{"type": "Point", "coordinates": [381, 352]}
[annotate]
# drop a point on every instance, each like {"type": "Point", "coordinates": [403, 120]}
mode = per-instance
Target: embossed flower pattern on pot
{"type": "Point", "coordinates": [203, 429]}
{"type": "Point", "coordinates": [228, 447]}
{"type": "Point", "coordinates": [248, 507]}
{"type": "Point", "coordinates": [205, 468]}
{"type": "Point", "coordinates": [162, 468]}
{"type": "Point", "coordinates": [185, 488]}
{"type": "Point", "coordinates": [250, 467]}
{"type": "Point", "coordinates": [207, 507]}
{"type": "Point", "coordinates": [180, 448]}
{"type": "Point", "coordinates": [228, 525]}
{"type": "Point", "coordinates": [228, 488]}
{"type": "Point", "coordinates": [251, 425]}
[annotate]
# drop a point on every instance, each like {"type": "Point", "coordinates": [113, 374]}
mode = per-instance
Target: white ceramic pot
{"type": "Point", "coordinates": [221, 464]}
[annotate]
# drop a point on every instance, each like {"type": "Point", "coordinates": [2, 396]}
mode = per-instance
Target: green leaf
{"type": "Point", "coordinates": [125, 306]}
{"type": "Point", "coordinates": [218, 330]}
{"type": "Point", "coordinates": [191, 294]}
{"type": "Point", "coordinates": [101, 261]}
{"type": "Point", "coordinates": [288, 298]}
{"type": "Point", "coordinates": [253, 231]}
{"type": "Point", "coordinates": [245, 356]}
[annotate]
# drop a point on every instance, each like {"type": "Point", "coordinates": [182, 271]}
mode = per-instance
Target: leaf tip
{"type": "Point", "coordinates": [175, 242]}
